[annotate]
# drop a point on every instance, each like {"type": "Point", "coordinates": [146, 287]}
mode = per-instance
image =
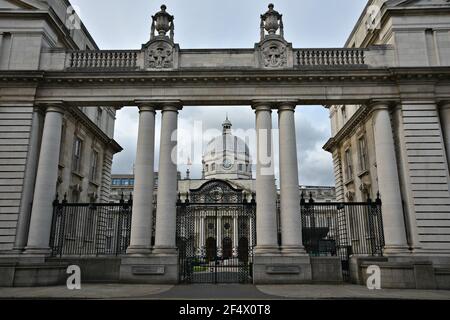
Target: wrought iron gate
{"type": "Point", "coordinates": [216, 235]}
{"type": "Point", "coordinates": [342, 229]}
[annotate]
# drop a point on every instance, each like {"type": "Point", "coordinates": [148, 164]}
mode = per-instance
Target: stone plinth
{"type": "Point", "coordinates": [153, 268]}
{"type": "Point", "coordinates": [17, 274]}
{"type": "Point", "coordinates": [281, 269]}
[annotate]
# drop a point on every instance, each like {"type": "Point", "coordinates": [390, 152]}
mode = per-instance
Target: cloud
{"type": "Point", "coordinates": [118, 24]}
{"type": "Point", "coordinates": [312, 124]}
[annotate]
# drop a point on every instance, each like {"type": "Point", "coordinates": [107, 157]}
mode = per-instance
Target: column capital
{"type": "Point", "coordinates": [444, 104]}
{"type": "Point", "coordinates": [380, 105]}
{"type": "Point", "coordinates": [171, 107]}
{"type": "Point", "coordinates": [164, 105]}
{"type": "Point", "coordinates": [54, 106]}
{"type": "Point", "coordinates": [262, 105]}
{"type": "Point", "coordinates": [287, 105]}
{"type": "Point", "coordinates": [146, 108]}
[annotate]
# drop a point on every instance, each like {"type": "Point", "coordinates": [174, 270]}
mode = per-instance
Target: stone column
{"type": "Point", "coordinates": [266, 221]}
{"type": "Point", "coordinates": [29, 181]}
{"type": "Point", "coordinates": [141, 224]}
{"type": "Point", "coordinates": [445, 124]}
{"type": "Point", "coordinates": [291, 229]}
{"type": "Point", "coordinates": [388, 181]}
{"type": "Point", "coordinates": [167, 183]}
{"type": "Point", "coordinates": [46, 180]}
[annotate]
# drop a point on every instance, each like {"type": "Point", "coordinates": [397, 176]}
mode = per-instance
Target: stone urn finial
{"type": "Point", "coordinates": [271, 21]}
{"type": "Point", "coordinates": [162, 22]}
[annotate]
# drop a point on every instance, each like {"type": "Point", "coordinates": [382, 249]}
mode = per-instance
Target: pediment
{"type": "Point", "coordinates": [418, 3]}
{"type": "Point", "coordinates": [22, 5]}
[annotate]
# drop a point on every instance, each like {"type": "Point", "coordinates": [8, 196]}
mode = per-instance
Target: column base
{"type": "Point", "coordinates": [31, 271]}
{"type": "Point", "coordinates": [151, 269]}
{"type": "Point", "coordinates": [266, 250]}
{"type": "Point", "coordinates": [165, 251]}
{"type": "Point", "coordinates": [139, 250]}
{"type": "Point", "coordinates": [37, 251]}
{"type": "Point", "coordinates": [293, 251]}
{"type": "Point", "coordinates": [281, 269]}
{"type": "Point", "coordinates": [395, 251]}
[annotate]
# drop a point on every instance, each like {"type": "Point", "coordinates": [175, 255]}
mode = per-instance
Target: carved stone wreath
{"type": "Point", "coordinates": [274, 55]}
{"type": "Point", "coordinates": [216, 194]}
{"type": "Point", "coordinates": [159, 56]}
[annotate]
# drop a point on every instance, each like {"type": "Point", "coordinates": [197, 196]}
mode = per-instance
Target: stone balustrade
{"type": "Point", "coordinates": [330, 57]}
{"type": "Point", "coordinates": [111, 60]}
{"type": "Point", "coordinates": [103, 59]}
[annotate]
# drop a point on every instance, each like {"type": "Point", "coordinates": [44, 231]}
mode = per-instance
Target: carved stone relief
{"type": "Point", "coordinates": [159, 55]}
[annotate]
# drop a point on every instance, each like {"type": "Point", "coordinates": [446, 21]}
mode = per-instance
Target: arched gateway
{"type": "Point", "coordinates": [403, 96]}
{"type": "Point", "coordinates": [210, 222]}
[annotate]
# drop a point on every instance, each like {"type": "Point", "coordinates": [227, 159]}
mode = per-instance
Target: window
{"type": "Point", "coordinates": [362, 151]}
{"type": "Point", "coordinates": [116, 182]}
{"type": "Point", "coordinates": [206, 168]}
{"type": "Point", "coordinates": [125, 182]}
{"type": "Point", "coordinates": [131, 182]}
{"type": "Point", "coordinates": [77, 149]}
{"type": "Point", "coordinates": [94, 165]}
{"type": "Point", "coordinates": [213, 167]}
{"type": "Point", "coordinates": [99, 116]}
{"type": "Point", "coordinates": [344, 114]}
{"type": "Point", "coordinates": [241, 167]}
{"type": "Point", "coordinates": [62, 146]}
{"type": "Point", "coordinates": [348, 164]}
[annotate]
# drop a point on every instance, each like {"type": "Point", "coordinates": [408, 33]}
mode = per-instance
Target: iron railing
{"type": "Point", "coordinates": [342, 229]}
{"type": "Point", "coordinates": [90, 229]}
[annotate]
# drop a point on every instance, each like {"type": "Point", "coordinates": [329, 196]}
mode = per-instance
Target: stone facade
{"type": "Point", "coordinates": [418, 120]}
{"type": "Point", "coordinates": [83, 175]}
{"type": "Point", "coordinates": [396, 71]}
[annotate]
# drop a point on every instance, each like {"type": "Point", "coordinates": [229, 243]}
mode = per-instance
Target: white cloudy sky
{"type": "Point", "coordinates": [122, 24]}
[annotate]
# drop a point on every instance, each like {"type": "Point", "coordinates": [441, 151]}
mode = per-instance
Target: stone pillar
{"type": "Point", "coordinates": [167, 185]}
{"type": "Point", "coordinates": [141, 225]}
{"type": "Point", "coordinates": [270, 265]}
{"type": "Point", "coordinates": [29, 181]}
{"type": "Point", "coordinates": [388, 181]}
{"type": "Point", "coordinates": [46, 180]}
{"type": "Point", "coordinates": [445, 124]}
{"type": "Point", "coordinates": [266, 221]}
{"type": "Point", "coordinates": [291, 226]}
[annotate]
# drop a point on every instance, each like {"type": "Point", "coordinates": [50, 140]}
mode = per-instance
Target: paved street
{"type": "Point", "coordinates": [219, 292]}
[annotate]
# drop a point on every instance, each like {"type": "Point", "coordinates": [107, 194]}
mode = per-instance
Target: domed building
{"type": "Point", "coordinates": [227, 156]}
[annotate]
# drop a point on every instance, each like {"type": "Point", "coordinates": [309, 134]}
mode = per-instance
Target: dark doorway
{"type": "Point", "coordinates": [243, 249]}
{"type": "Point", "coordinates": [227, 246]}
{"type": "Point", "coordinates": [211, 249]}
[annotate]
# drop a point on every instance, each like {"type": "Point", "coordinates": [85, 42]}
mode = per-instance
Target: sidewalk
{"type": "Point", "coordinates": [219, 292]}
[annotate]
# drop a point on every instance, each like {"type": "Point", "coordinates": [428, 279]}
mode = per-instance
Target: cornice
{"type": "Point", "coordinates": [84, 119]}
{"type": "Point", "coordinates": [243, 76]}
{"type": "Point", "coordinates": [349, 127]}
